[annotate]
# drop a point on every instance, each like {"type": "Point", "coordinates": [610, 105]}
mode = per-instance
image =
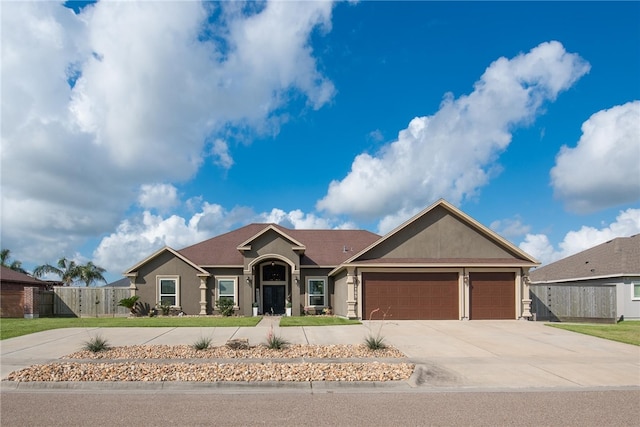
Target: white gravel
{"type": "Point", "coordinates": [158, 363]}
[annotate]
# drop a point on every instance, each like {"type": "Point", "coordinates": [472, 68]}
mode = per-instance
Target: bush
{"type": "Point", "coordinates": [165, 307]}
{"type": "Point", "coordinates": [375, 340]}
{"type": "Point", "coordinates": [129, 303]}
{"type": "Point", "coordinates": [96, 344]}
{"type": "Point", "coordinates": [275, 342]}
{"type": "Point", "coordinates": [202, 343]}
{"type": "Point", "coordinates": [225, 306]}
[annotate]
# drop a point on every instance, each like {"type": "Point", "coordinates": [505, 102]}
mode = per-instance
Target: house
{"type": "Point", "coordinates": [601, 284]}
{"type": "Point", "coordinates": [13, 301]}
{"type": "Point", "coordinates": [440, 264]}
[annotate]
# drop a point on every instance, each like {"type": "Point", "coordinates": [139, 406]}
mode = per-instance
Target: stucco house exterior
{"type": "Point", "coordinates": [599, 284]}
{"type": "Point", "coordinates": [440, 264]}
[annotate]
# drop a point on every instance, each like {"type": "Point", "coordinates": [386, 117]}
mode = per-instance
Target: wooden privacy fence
{"type": "Point", "coordinates": [574, 303]}
{"type": "Point", "coordinates": [89, 302]}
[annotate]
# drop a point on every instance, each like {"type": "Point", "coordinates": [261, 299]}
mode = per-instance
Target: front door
{"type": "Point", "coordinates": [273, 299]}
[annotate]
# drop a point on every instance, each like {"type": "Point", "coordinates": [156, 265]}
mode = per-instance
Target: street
{"type": "Point", "coordinates": [329, 408]}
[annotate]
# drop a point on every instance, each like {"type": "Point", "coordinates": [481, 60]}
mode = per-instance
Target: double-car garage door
{"type": "Point", "coordinates": [435, 296]}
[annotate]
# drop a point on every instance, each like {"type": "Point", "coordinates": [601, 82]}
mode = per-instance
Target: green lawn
{"type": "Point", "coordinates": [10, 328]}
{"type": "Point", "coordinates": [627, 332]}
{"type": "Point", "coordinates": [316, 321]}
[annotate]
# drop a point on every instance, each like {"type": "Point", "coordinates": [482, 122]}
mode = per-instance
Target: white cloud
{"type": "Point", "coordinates": [295, 219]}
{"type": "Point", "coordinates": [510, 227]}
{"type": "Point", "coordinates": [603, 170]}
{"type": "Point", "coordinates": [125, 93]}
{"type": "Point", "coordinates": [451, 154]}
{"type": "Point", "coordinates": [158, 196]}
{"type": "Point", "coordinates": [627, 223]}
{"type": "Point", "coordinates": [220, 151]}
{"type": "Point", "coordinates": [141, 235]}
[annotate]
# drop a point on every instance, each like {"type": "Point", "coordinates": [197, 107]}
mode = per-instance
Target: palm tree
{"type": "Point", "coordinates": [90, 273]}
{"type": "Point", "coordinates": [5, 254]}
{"type": "Point", "coordinates": [67, 270]}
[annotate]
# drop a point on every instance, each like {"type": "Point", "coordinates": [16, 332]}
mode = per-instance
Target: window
{"type": "Point", "coordinates": [636, 290]}
{"type": "Point", "coordinates": [316, 291]}
{"type": "Point", "coordinates": [226, 288]}
{"type": "Point", "coordinates": [168, 291]}
{"type": "Point", "coordinates": [274, 273]}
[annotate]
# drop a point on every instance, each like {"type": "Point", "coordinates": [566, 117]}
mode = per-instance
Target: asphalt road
{"type": "Point", "coordinates": [279, 407]}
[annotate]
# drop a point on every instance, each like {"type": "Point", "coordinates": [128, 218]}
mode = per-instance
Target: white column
{"type": "Point", "coordinates": [203, 296]}
{"type": "Point", "coordinates": [351, 294]}
{"type": "Point", "coordinates": [526, 296]}
{"type": "Point", "coordinates": [465, 292]}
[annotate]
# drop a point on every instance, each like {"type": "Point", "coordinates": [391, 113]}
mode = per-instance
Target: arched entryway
{"type": "Point", "coordinates": [274, 286]}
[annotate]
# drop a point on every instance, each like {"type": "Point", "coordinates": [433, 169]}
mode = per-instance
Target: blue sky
{"type": "Point", "coordinates": [130, 126]}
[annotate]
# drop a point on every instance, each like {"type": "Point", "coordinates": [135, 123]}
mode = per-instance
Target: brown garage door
{"type": "Point", "coordinates": [411, 296]}
{"type": "Point", "coordinates": [492, 296]}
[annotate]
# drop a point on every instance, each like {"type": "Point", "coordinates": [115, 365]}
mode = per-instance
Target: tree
{"type": "Point", "coordinates": [67, 270]}
{"type": "Point", "coordinates": [90, 273]}
{"type": "Point", "coordinates": [5, 254]}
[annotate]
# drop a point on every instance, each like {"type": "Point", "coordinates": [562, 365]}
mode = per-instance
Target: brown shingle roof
{"type": "Point", "coordinates": [617, 257]}
{"type": "Point", "coordinates": [9, 275]}
{"type": "Point", "coordinates": [322, 247]}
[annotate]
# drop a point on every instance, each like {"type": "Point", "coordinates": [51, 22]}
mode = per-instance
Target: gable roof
{"type": "Point", "coordinates": [246, 245]}
{"type": "Point", "coordinates": [9, 275]}
{"type": "Point", "coordinates": [514, 256]}
{"type": "Point", "coordinates": [617, 257]}
{"type": "Point", "coordinates": [133, 270]}
{"type": "Point", "coordinates": [321, 247]}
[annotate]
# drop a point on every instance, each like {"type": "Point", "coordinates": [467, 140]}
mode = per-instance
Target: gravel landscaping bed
{"type": "Point", "coordinates": [224, 352]}
{"type": "Point", "coordinates": [145, 371]}
{"type": "Point", "coordinates": [157, 363]}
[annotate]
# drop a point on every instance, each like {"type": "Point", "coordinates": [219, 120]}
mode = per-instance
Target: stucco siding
{"type": "Point", "coordinates": [271, 243]}
{"type": "Point", "coordinates": [339, 303]}
{"type": "Point", "coordinates": [166, 264]}
{"type": "Point", "coordinates": [439, 234]}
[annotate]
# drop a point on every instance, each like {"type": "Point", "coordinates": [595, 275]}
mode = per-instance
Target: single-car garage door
{"type": "Point", "coordinates": [411, 296]}
{"type": "Point", "coordinates": [492, 296]}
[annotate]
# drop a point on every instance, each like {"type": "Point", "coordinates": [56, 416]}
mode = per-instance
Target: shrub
{"type": "Point", "coordinates": [165, 307]}
{"type": "Point", "coordinates": [225, 306]}
{"type": "Point", "coordinates": [275, 342]}
{"type": "Point", "coordinates": [202, 343]}
{"type": "Point", "coordinates": [96, 344]}
{"type": "Point", "coordinates": [129, 303]}
{"type": "Point", "coordinates": [375, 340]}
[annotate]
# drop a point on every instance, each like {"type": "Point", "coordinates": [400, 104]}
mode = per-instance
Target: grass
{"type": "Point", "coordinates": [627, 332]}
{"type": "Point", "coordinates": [317, 321]}
{"type": "Point", "coordinates": [10, 328]}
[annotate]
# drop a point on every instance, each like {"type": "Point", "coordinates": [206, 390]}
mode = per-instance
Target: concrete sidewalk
{"type": "Point", "coordinates": [448, 354]}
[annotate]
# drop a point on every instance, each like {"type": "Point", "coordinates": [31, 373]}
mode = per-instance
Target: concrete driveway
{"type": "Point", "coordinates": [448, 354]}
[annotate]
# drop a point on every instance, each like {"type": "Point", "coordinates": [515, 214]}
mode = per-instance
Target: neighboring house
{"type": "Point", "coordinates": [440, 264]}
{"type": "Point", "coordinates": [598, 284]}
{"type": "Point", "coordinates": [12, 284]}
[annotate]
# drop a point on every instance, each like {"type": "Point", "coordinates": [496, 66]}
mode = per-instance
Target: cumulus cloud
{"type": "Point", "coordinates": [603, 170]}
{"type": "Point", "coordinates": [146, 233]}
{"type": "Point", "coordinates": [451, 154]}
{"type": "Point", "coordinates": [95, 104]}
{"type": "Point", "coordinates": [510, 227]}
{"type": "Point", "coordinates": [627, 223]}
{"type": "Point", "coordinates": [159, 196]}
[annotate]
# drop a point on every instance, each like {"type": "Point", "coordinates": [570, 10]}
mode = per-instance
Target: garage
{"type": "Point", "coordinates": [492, 296]}
{"type": "Point", "coordinates": [411, 296]}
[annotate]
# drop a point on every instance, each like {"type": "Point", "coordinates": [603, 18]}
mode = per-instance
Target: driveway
{"type": "Point", "coordinates": [448, 354]}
